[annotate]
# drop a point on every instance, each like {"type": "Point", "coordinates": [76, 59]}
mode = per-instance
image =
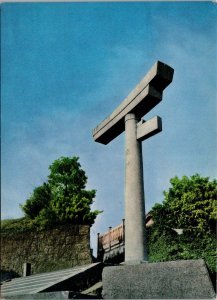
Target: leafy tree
{"type": "Point", "coordinates": [64, 197]}
{"type": "Point", "coordinates": [39, 200]}
{"type": "Point", "coordinates": [70, 200]}
{"type": "Point", "coordinates": [191, 205]}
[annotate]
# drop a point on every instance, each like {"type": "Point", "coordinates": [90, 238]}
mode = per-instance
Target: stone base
{"type": "Point", "coordinates": [184, 279]}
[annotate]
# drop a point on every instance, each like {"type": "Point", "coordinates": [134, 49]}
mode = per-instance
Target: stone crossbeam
{"type": "Point", "coordinates": [146, 95]}
{"type": "Point", "coordinates": [146, 129]}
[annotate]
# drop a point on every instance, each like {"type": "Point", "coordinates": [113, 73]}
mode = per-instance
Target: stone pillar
{"type": "Point", "coordinates": [123, 225]}
{"type": "Point", "coordinates": [135, 245]}
{"type": "Point", "coordinates": [110, 238]}
{"type": "Point", "coordinates": [98, 245]}
{"type": "Point", "coordinates": [26, 269]}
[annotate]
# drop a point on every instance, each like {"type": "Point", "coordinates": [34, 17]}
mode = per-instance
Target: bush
{"type": "Point", "coordinates": [190, 205]}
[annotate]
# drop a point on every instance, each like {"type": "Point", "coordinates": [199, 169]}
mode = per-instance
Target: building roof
{"type": "Point", "coordinates": [63, 280]}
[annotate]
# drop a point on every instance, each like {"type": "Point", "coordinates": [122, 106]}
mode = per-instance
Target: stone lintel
{"type": "Point", "coordinates": [146, 95]}
{"type": "Point", "coordinates": [149, 128]}
{"type": "Point", "coordinates": [115, 123]}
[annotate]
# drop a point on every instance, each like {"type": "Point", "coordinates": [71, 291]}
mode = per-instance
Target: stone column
{"type": "Point", "coordinates": [26, 269]}
{"type": "Point", "coordinates": [135, 244]}
{"type": "Point", "coordinates": [98, 245]}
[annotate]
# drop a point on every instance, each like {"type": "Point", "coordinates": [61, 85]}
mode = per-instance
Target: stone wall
{"type": "Point", "coordinates": [62, 247]}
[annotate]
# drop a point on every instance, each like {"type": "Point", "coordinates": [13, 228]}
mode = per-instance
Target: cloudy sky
{"type": "Point", "coordinates": [67, 66]}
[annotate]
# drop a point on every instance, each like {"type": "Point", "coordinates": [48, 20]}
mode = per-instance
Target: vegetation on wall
{"type": "Point", "coordinates": [54, 248]}
{"type": "Point", "coordinates": [185, 223]}
{"type": "Point", "coordinates": [11, 226]}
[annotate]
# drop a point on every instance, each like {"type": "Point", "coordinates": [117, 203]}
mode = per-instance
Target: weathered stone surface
{"type": "Point", "coordinates": [146, 95]}
{"type": "Point", "coordinates": [135, 248]}
{"type": "Point", "coordinates": [167, 280]}
{"type": "Point", "coordinates": [111, 127]}
{"type": "Point", "coordinates": [54, 249]}
{"type": "Point", "coordinates": [147, 129]}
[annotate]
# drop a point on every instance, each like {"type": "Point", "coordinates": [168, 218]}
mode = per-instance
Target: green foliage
{"type": "Point", "coordinates": [11, 226]}
{"type": "Point", "coordinates": [63, 198]}
{"type": "Point", "coordinates": [39, 200]}
{"type": "Point", "coordinates": [67, 176]}
{"type": "Point", "coordinates": [190, 204]}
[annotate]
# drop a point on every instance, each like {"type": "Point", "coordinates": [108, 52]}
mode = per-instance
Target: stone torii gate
{"type": "Point", "coordinates": [127, 116]}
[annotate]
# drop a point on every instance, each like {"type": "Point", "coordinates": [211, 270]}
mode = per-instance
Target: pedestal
{"type": "Point", "coordinates": [185, 279]}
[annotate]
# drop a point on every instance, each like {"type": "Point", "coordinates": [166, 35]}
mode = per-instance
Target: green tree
{"type": "Point", "coordinates": [64, 197]}
{"type": "Point", "coordinates": [39, 200]}
{"type": "Point", "coordinates": [190, 204]}
{"type": "Point", "coordinates": [70, 200]}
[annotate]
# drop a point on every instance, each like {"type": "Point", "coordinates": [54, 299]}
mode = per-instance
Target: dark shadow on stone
{"type": "Point", "coordinates": [8, 275]}
{"type": "Point", "coordinates": [213, 278]}
{"type": "Point", "coordinates": [117, 259]}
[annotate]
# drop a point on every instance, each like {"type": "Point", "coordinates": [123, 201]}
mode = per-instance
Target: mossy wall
{"type": "Point", "coordinates": [62, 247]}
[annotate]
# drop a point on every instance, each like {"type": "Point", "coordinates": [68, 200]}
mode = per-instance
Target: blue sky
{"type": "Point", "coordinates": [66, 66]}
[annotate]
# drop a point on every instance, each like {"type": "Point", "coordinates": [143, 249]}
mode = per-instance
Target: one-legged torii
{"type": "Point", "coordinates": [127, 116]}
